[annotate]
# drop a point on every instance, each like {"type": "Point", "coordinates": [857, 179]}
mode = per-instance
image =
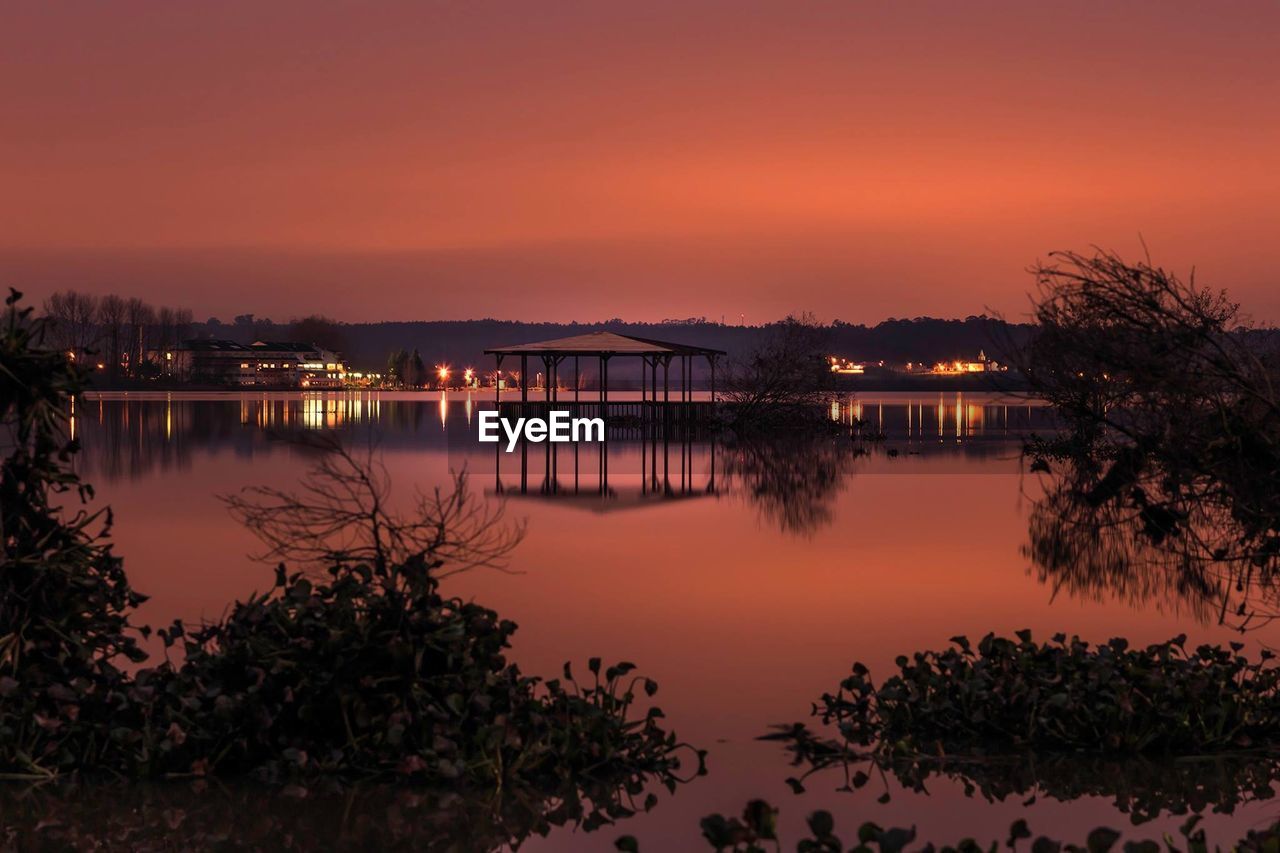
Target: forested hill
{"type": "Point", "coordinates": [462, 342]}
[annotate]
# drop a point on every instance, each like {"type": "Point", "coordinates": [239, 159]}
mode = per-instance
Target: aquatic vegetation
{"type": "Point", "coordinates": [1160, 730]}
{"type": "Point", "coordinates": [365, 671]}
{"type": "Point", "coordinates": [372, 673]}
{"type": "Point", "coordinates": [1005, 694]}
{"type": "Point", "coordinates": [757, 832]}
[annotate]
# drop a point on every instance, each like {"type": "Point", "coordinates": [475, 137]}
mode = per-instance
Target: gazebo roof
{"type": "Point", "coordinates": [602, 343]}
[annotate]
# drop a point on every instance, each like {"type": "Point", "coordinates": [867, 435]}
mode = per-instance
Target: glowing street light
{"type": "Point", "coordinates": [442, 371]}
{"type": "Point", "coordinates": [467, 376]}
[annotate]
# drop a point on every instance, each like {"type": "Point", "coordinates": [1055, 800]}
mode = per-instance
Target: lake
{"type": "Point", "coordinates": [745, 581]}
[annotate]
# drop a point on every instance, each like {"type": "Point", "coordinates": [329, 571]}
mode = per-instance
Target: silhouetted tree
{"type": "Point", "coordinates": [342, 512]}
{"type": "Point", "coordinates": [182, 324]}
{"type": "Point", "coordinates": [1174, 420]}
{"type": "Point", "coordinates": [416, 370]}
{"type": "Point", "coordinates": [72, 321]}
{"type": "Point", "coordinates": [139, 317]}
{"type": "Point", "coordinates": [166, 335]}
{"type": "Point", "coordinates": [319, 330]}
{"type": "Point", "coordinates": [112, 315]}
{"type": "Point", "coordinates": [785, 379]}
{"type": "Point", "coordinates": [396, 364]}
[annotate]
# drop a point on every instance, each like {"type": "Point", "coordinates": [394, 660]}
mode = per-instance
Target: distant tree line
{"type": "Point", "coordinates": [111, 324]}
{"type": "Point", "coordinates": [121, 333]}
{"type": "Point", "coordinates": [315, 329]}
{"type": "Point", "coordinates": [127, 335]}
{"type": "Point", "coordinates": [462, 342]}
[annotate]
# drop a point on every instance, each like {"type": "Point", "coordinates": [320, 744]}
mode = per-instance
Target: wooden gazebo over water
{"type": "Point", "coordinates": [605, 346]}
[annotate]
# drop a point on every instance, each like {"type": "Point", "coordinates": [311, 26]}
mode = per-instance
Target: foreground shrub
{"type": "Point", "coordinates": [374, 673]}
{"type": "Point", "coordinates": [1160, 730]}
{"type": "Point", "coordinates": [1016, 694]}
{"type": "Point", "coordinates": [64, 596]}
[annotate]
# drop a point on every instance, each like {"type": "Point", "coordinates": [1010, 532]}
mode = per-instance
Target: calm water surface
{"type": "Point", "coordinates": [745, 584]}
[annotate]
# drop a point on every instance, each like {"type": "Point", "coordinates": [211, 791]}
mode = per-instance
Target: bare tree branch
{"type": "Point", "coordinates": [341, 512]}
{"type": "Point", "coordinates": [1168, 476]}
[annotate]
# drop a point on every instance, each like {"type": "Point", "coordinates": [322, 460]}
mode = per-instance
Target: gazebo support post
{"type": "Point", "coordinates": [666, 399]}
{"type": "Point", "coordinates": [653, 385]}
{"type": "Point", "coordinates": [604, 387]}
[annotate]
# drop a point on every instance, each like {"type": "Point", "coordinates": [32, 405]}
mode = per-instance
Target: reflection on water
{"type": "Point", "coordinates": [790, 481]}
{"type": "Point", "coordinates": [125, 433]}
{"type": "Point", "coordinates": [1077, 546]}
{"type": "Point", "coordinates": [792, 484]}
{"type": "Point", "coordinates": [745, 577]}
{"type": "Point", "coordinates": [954, 417]}
{"type": "Point", "coordinates": [208, 814]}
{"type": "Point", "coordinates": [1094, 542]}
{"type": "Point", "coordinates": [211, 814]}
{"type": "Point", "coordinates": [1142, 788]}
{"type": "Point", "coordinates": [1094, 553]}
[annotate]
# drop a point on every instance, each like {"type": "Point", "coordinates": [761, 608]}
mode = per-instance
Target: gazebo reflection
{"type": "Point", "coordinates": [579, 475]}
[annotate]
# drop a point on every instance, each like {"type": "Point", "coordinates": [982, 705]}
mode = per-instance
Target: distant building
{"type": "Point", "coordinates": [845, 367]}
{"type": "Point", "coordinates": [212, 361]}
{"type": "Point", "coordinates": [262, 364]}
{"type": "Point", "coordinates": [171, 362]}
{"type": "Point", "coordinates": [982, 365]}
{"type": "Point", "coordinates": [285, 364]}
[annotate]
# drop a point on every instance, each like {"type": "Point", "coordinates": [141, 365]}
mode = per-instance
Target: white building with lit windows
{"type": "Point", "coordinates": [262, 364]}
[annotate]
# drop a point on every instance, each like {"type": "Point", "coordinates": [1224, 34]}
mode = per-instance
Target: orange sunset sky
{"type": "Point", "coordinates": [557, 160]}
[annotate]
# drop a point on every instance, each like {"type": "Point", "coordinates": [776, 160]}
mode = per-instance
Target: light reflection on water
{"type": "Point", "coordinates": [745, 580]}
{"type": "Point", "coordinates": [946, 415]}
{"type": "Point", "coordinates": [127, 434]}
{"type": "Point", "coordinates": [955, 414]}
